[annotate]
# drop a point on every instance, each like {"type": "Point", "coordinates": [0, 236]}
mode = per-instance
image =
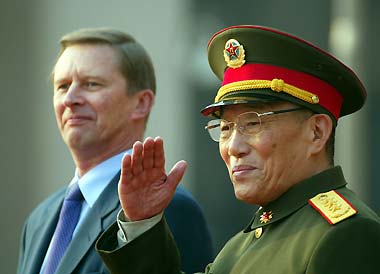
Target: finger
{"type": "Point", "coordinates": [137, 158]}
{"type": "Point", "coordinates": [126, 171]}
{"type": "Point", "coordinates": [148, 153]}
{"type": "Point", "coordinates": [176, 174]}
{"type": "Point", "coordinates": [159, 154]}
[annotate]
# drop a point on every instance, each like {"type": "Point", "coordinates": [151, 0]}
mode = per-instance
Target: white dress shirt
{"type": "Point", "coordinates": [92, 185]}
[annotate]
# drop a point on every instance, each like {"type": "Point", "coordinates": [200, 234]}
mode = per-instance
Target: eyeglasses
{"type": "Point", "coordinates": [248, 123]}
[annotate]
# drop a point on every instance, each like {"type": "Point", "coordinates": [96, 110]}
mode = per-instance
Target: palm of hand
{"type": "Point", "coordinates": [144, 188]}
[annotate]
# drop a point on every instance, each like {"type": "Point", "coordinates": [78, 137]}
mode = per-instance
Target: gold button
{"type": "Point", "coordinates": [258, 232]}
{"type": "Point", "coordinates": [315, 99]}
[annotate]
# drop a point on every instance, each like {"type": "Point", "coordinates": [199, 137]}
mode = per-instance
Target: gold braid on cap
{"type": "Point", "coordinates": [277, 85]}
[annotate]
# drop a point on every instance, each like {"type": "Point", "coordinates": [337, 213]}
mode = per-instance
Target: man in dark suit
{"type": "Point", "coordinates": [274, 118]}
{"type": "Point", "coordinates": [104, 88]}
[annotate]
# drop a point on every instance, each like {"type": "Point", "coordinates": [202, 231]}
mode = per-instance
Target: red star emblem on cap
{"type": "Point", "coordinates": [231, 49]}
{"type": "Point", "coordinates": [234, 54]}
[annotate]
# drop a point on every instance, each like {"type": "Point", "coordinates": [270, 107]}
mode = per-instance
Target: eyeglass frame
{"type": "Point", "coordinates": [235, 125]}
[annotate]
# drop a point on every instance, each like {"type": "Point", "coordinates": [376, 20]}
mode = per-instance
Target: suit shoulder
{"type": "Point", "coordinates": [182, 191]}
{"type": "Point", "coordinates": [51, 199]}
{"type": "Point", "coordinates": [183, 202]}
{"type": "Point", "coordinates": [183, 195]}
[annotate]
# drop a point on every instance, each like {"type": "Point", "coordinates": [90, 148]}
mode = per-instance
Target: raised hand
{"type": "Point", "coordinates": [144, 188]}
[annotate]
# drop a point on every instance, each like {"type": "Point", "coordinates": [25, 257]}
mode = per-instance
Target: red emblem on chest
{"type": "Point", "coordinates": [266, 217]}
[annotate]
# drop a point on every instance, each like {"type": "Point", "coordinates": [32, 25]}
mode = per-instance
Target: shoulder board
{"type": "Point", "coordinates": [332, 206]}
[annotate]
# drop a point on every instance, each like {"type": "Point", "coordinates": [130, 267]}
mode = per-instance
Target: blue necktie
{"type": "Point", "coordinates": [68, 219]}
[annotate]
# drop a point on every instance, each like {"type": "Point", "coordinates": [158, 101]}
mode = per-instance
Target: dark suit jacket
{"type": "Point", "coordinates": [81, 256]}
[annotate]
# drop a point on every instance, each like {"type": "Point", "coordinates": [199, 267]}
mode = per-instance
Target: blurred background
{"type": "Point", "coordinates": [34, 160]}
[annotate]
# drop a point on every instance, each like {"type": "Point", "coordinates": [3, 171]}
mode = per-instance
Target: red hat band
{"type": "Point", "coordinates": [279, 79]}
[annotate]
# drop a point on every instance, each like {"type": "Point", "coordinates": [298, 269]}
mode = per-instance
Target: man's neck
{"type": "Point", "coordinates": [86, 160]}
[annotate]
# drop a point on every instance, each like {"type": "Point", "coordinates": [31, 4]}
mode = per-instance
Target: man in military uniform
{"type": "Point", "coordinates": [274, 118]}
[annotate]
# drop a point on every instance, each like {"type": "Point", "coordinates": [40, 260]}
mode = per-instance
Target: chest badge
{"type": "Point", "coordinates": [266, 217]}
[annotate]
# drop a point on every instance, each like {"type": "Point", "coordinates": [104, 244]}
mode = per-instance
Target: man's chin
{"type": "Point", "coordinates": [77, 141]}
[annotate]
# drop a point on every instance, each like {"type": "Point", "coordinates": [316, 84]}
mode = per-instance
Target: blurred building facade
{"type": "Point", "coordinates": [35, 162]}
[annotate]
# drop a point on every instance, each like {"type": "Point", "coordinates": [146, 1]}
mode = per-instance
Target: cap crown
{"type": "Point", "coordinates": [271, 54]}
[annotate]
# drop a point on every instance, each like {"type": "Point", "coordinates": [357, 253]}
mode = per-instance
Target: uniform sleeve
{"type": "Point", "coordinates": [152, 252]}
{"type": "Point", "coordinates": [350, 247]}
{"type": "Point", "coordinates": [128, 231]}
{"type": "Point", "coordinates": [191, 233]}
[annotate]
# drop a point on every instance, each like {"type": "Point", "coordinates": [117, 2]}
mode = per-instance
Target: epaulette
{"type": "Point", "coordinates": [332, 206]}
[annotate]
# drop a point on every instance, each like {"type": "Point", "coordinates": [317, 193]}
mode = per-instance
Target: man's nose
{"type": "Point", "coordinates": [73, 95]}
{"type": "Point", "coordinates": [237, 145]}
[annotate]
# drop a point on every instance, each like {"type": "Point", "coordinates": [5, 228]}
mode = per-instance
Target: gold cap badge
{"type": "Point", "coordinates": [234, 54]}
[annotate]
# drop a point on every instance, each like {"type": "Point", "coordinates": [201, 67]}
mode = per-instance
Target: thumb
{"type": "Point", "coordinates": [176, 173]}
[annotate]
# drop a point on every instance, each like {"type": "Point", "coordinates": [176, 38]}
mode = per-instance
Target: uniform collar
{"type": "Point", "coordinates": [296, 197]}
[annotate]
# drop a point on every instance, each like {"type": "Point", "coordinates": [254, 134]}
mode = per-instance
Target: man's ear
{"type": "Point", "coordinates": [144, 101]}
{"type": "Point", "coordinates": [320, 128]}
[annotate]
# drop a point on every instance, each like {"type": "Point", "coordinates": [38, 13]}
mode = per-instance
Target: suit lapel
{"type": "Point", "coordinates": [42, 233]}
{"type": "Point", "coordinates": [98, 219]}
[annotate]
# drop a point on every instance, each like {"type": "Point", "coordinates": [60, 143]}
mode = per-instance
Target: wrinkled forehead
{"type": "Point", "coordinates": [86, 60]}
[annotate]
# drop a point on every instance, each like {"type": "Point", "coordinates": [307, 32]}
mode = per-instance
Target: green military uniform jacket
{"type": "Point", "coordinates": [288, 236]}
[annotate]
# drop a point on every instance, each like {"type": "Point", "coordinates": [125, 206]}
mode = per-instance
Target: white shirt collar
{"type": "Point", "coordinates": [97, 179]}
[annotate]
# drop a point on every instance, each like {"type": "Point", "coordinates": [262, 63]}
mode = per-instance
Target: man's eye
{"type": "Point", "coordinates": [92, 84]}
{"type": "Point", "coordinates": [225, 127]}
{"type": "Point", "coordinates": [252, 126]}
{"type": "Point", "coordinates": [249, 124]}
{"type": "Point", "coordinates": [62, 87]}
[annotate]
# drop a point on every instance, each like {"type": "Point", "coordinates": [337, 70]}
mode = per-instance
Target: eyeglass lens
{"type": "Point", "coordinates": [247, 123]}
